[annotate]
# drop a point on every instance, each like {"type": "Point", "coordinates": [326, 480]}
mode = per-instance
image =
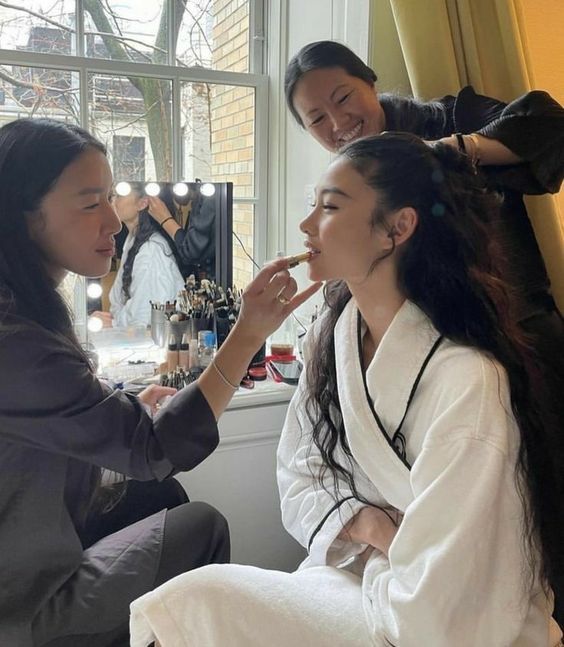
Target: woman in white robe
{"type": "Point", "coordinates": [149, 270]}
{"type": "Point", "coordinates": [155, 276]}
{"type": "Point", "coordinates": [407, 465]}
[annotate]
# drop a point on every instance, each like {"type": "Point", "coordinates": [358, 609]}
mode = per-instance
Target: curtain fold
{"type": "Point", "coordinates": [447, 44]}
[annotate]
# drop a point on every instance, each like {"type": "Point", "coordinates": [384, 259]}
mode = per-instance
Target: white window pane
{"type": "Point", "coordinates": [215, 33]}
{"type": "Point", "coordinates": [132, 116]}
{"type": "Point", "coordinates": [243, 227]}
{"type": "Point", "coordinates": [218, 134]}
{"type": "Point", "coordinates": [45, 26]}
{"type": "Point", "coordinates": [38, 92]}
{"type": "Point", "coordinates": [134, 30]}
{"type": "Point", "coordinates": [128, 155]}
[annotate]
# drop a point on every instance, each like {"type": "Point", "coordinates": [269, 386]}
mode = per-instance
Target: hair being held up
{"type": "Point", "coordinates": [452, 268]}
{"type": "Point", "coordinates": [146, 227]}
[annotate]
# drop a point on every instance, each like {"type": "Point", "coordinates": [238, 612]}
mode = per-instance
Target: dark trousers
{"type": "Point", "coordinates": [135, 500]}
{"type": "Point", "coordinates": [195, 534]}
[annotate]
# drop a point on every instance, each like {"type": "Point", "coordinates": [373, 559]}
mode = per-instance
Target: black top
{"type": "Point", "coordinates": [58, 426]}
{"type": "Point", "coordinates": [532, 127]}
{"type": "Point", "coordinates": [196, 242]}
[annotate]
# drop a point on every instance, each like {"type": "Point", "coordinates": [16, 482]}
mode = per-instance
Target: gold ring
{"type": "Point", "coordinates": [283, 300]}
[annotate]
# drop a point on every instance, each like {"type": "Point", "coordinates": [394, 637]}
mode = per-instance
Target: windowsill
{"type": "Point", "coordinates": [263, 394]}
{"type": "Point", "coordinates": [116, 348]}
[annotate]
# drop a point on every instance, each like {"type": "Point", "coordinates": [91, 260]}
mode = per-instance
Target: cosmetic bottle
{"type": "Point", "coordinates": [193, 359]}
{"type": "Point", "coordinates": [172, 353]}
{"type": "Point", "coordinates": [283, 341]}
{"type": "Point", "coordinates": [184, 353]}
{"type": "Point", "coordinates": [208, 350]}
{"type": "Point", "coordinates": [202, 334]}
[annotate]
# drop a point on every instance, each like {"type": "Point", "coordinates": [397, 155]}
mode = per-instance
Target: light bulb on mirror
{"type": "Point", "coordinates": [152, 189]}
{"type": "Point", "coordinates": [94, 290]}
{"type": "Point", "coordinates": [207, 189]}
{"type": "Point", "coordinates": [95, 324]}
{"type": "Point", "coordinates": [180, 189]}
{"type": "Point", "coordinates": [123, 188]}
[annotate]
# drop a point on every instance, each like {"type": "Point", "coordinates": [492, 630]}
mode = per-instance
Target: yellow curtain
{"type": "Point", "coordinates": [447, 44]}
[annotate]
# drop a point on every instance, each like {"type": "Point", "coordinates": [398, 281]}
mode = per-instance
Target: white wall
{"type": "Point", "coordinates": [239, 479]}
{"type": "Point", "coordinates": [296, 160]}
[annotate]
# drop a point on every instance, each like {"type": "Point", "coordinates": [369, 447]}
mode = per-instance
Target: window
{"type": "Point", "coordinates": [129, 158]}
{"type": "Point", "coordinates": [174, 88]}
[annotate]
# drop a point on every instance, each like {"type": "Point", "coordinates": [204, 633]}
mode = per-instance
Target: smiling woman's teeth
{"type": "Point", "coordinates": [355, 132]}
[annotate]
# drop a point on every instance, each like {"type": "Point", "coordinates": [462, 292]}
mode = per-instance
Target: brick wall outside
{"type": "Point", "coordinates": [232, 136]}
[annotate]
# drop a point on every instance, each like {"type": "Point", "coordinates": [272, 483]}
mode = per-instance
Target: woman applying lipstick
{"type": "Point", "coordinates": [59, 425]}
{"type": "Point", "coordinates": [414, 466]}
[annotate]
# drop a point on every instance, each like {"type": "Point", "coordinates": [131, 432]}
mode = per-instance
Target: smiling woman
{"type": "Point", "coordinates": [335, 107]}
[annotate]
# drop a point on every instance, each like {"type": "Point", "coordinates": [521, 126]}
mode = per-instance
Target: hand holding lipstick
{"type": "Point", "coordinates": [268, 299]}
{"type": "Point", "coordinates": [272, 296]}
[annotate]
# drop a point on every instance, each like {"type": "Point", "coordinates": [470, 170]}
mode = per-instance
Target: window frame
{"type": "Point", "coordinates": [255, 78]}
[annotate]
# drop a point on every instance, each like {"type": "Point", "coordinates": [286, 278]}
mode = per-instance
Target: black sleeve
{"type": "Point", "coordinates": [532, 127]}
{"type": "Point", "coordinates": [51, 400]}
{"type": "Point", "coordinates": [196, 243]}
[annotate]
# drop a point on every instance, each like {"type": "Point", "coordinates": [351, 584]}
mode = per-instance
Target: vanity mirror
{"type": "Point", "coordinates": [170, 231]}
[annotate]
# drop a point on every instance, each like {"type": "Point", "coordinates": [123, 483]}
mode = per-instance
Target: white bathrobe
{"type": "Point", "coordinates": [155, 277]}
{"type": "Point", "coordinates": [456, 573]}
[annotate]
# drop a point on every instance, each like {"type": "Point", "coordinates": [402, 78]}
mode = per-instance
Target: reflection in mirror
{"type": "Point", "coordinates": [170, 232]}
{"type": "Point", "coordinates": [73, 290]}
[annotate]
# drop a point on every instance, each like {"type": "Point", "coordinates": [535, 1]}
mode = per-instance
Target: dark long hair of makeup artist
{"type": "Point", "coordinates": [452, 269]}
{"type": "Point", "coordinates": [33, 154]}
{"type": "Point", "coordinates": [426, 119]}
{"type": "Point", "coordinates": [146, 227]}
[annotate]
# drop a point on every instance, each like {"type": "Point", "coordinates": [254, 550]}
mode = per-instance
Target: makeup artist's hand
{"type": "Point", "coordinates": [159, 212]}
{"type": "Point", "coordinates": [157, 209]}
{"type": "Point", "coordinates": [268, 300]}
{"type": "Point", "coordinates": [152, 394]}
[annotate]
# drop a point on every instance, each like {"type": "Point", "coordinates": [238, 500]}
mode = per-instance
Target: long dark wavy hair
{"type": "Point", "coordinates": [452, 269]}
{"type": "Point", "coordinates": [146, 227]}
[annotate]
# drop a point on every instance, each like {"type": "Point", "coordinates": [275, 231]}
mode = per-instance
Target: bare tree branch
{"type": "Point", "coordinates": [37, 15]}
{"type": "Point", "coordinates": [156, 92]}
{"type": "Point", "coordinates": [137, 119]}
{"type": "Point", "coordinates": [114, 47]}
{"type": "Point", "coordinates": [32, 86]}
{"type": "Point", "coordinates": [196, 23]}
{"type": "Point", "coordinates": [126, 40]}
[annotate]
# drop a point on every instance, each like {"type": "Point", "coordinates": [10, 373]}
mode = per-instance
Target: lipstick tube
{"type": "Point", "coordinates": [299, 258]}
